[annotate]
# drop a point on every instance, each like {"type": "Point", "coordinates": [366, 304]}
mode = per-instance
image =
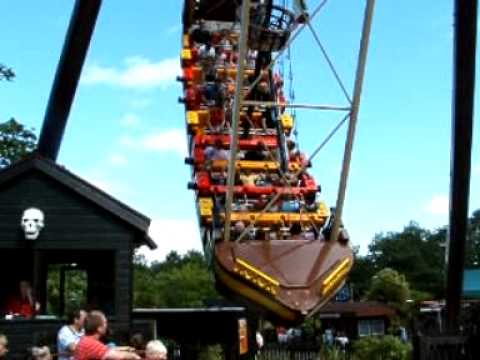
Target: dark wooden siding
{"type": "Point", "coordinates": [69, 218]}
{"type": "Point", "coordinates": [73, 224]}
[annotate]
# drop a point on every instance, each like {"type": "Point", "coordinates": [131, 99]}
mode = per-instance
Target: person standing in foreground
{"type": "Point", "coordinates": [3, 346]}
{"type": "Point", "coordinates": [91, 348]}
{"type": "Point", "coordinates": [70, 334]}
{"type": "Point", "coordinates": [155, 350]}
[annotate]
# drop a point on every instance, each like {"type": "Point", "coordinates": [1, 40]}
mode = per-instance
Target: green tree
{"type": "Point", "coordinates": [361, 275]}
{"type": "Point", "coordinates": [178, 281]}
{"type": "Point", "coordinates": [16, 142]}
{"type": "Point", "coordinates": [6, 73]}
{"type": "Point", "coordinates": [417, 253]}
{"type": "Point", "coordinates": [472, 253]}
{"type": "Point", "coordinates": [390, 287]}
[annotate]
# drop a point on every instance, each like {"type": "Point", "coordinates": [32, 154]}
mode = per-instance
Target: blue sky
{"type": "Point", "coordinates": [125, 131]}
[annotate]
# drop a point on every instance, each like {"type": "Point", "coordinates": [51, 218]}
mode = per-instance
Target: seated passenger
{"type": "Point", "coordinates": [23, 303]}
{"type": "Point", "coordinates": [248, 179]}
{"type": "Point", "coordinates": [290, 205]}
{"type": "Point", "coordinates": [262, 180]}
{"type": "Point", "coordinates": [193, 98]}
{"type": "Point", "coordinates": [216, 152]}
{"type": "Point", "coordinates": [238, 228]}
{"type": "Point", "coordinates": [219, 178]}
{"type": "Point", "coordinates": [296, 231]}
{"type": "Point", "coordinates": [255, 155]}
{"type": "Point", "coordinates": [201, 36]}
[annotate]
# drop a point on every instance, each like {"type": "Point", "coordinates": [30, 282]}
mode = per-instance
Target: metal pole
{"type": "Point", "coordinates": [462, 125]}
{"type": "Point", "coordinates": [245, 20]}
{"type": "Point", "coordinates": [77, 40]}
{"type": "Point", "coordinates": [296, 106]}
{"type": "Point", "coordinates": [362, 60]}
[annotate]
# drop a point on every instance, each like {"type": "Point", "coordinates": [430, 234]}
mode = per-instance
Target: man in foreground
{"type": "Point", "coordinates": [91, 348]}
{"type": "Point", "coordinates": [70, 334]}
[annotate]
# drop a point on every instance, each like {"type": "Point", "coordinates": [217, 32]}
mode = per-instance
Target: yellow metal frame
{"type": "Point", "coordinates": [336, 277]}
{"type": "Point", "coordinates": [256, 276]}
{"type": "Point", "coordinates": [232, 72]}
{"type": "Point", "coordinates": [254, 165]}
{"type": "Point", "coordinates": [319, 217]}
{"type": "Point", "coordinates": [206, 207]}
{"type": "Point", "coordinates": [287, 121]}
{"type": "Point", "coordinates": [186, 54]}
{"type": "Point", "coordinates": [258, 297]}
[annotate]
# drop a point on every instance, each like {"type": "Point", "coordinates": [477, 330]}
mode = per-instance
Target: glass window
{"type": "Point", "coordinates": [67, 288]}
{"type": "Point", "coordinates": [371, 327]}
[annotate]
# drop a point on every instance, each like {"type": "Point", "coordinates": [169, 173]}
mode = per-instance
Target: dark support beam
{"type": "Point", "coordinates": [462, 125]}
{"type": "Point", "coordinates": [80, 30]}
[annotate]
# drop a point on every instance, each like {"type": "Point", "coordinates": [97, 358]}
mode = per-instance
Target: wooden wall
{"type": "Point", "coordinates": [73, 224]}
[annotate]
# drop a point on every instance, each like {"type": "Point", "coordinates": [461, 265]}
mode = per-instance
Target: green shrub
{"type": "Point", "coordinates": [381, 348]}
{"type": "Point", "coordinates": [332, 353]}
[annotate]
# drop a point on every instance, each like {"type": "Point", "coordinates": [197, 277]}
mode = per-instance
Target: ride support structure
{"type": "Point", "coordinates": [271, 242]}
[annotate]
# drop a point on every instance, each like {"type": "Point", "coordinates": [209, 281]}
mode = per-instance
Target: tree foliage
{"type": "Point", "coordinates": [417, 253]}
{"type": "Point", "coordinates": [6, 73]}
{"type": "Point", "coordinates": [381, 348]}
{"type": "Point", "coordinates": [472, 254]}
{"type": "Point", "coordinates": [178, 281]}
{"type": "Point", "coordinates": [390, 287]}
{"type": "Point", "coordinates": [16, 142]}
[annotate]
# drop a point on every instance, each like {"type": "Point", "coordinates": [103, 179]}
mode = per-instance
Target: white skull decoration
{"type": "Point", "coordinates": [32, 223]}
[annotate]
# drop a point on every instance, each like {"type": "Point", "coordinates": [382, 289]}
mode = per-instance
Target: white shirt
{"type": "Point", "coordinates": [67, 336]}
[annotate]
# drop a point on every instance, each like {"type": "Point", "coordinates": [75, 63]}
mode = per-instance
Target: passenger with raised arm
{"type": "Point", "coordinates": [23, 304]}
{"type": "Point", "coordinates": [70, 334]}
{"type": "Point", "coordinates": [91, 348]}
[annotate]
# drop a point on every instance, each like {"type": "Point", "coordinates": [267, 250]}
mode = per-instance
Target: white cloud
{"type": "Point", "coordinates": [118, 160]}
{"type": "Point", "coordinates": [180, 235]}
{"type": "Point", "coordinates": [438, 205]}
{"type": "Point", "coordinates": [129, 120]}
{"type": "Point", "coordinates": [138, 72]}
{"type": "Point", "coordinates": [140, 103]}
{"type": "Point", "coordinates": [111, 187]}
{"type": "Point", "coordinates": [172, 140]}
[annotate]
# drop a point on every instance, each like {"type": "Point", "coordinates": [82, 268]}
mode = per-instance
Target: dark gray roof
{"type": "Point", "coordinates": [83, 188]}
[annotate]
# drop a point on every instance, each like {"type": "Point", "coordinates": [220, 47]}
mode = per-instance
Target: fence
{"type": "Point", "coordinates": [278, 353]}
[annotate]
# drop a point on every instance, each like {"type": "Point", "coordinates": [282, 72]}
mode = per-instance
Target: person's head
{"type": "Point", "coordinates": [239, 227]}
{"type": "Point", "coordinates": [155, 350]}
{"type": "Point", "coordinates": [96, 323]}
{"type": "Point", "coordinates": [25, 288]}
{"type": "Point", "coordinates": [296, 229]}
{"type": "Point", "coordinates": [137, 341]}
{"type": "Point", "coordinates": [76, 318]}
{"type": "Point", "coordinates": [41, 353]}
{"type": "Point", "coordinates": [3, 345]}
